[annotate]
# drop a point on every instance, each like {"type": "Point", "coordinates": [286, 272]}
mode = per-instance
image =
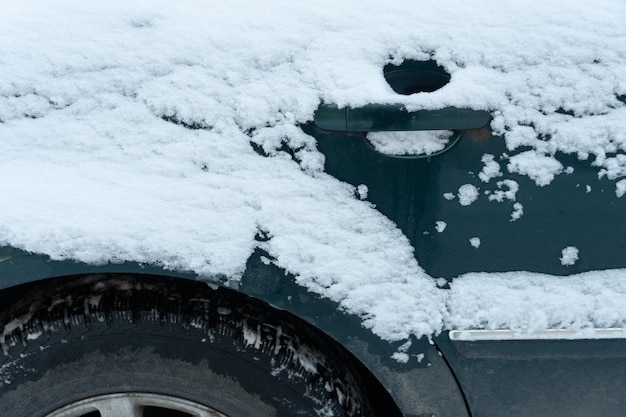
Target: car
{"type": "Point", "coordinates": [177, 241]}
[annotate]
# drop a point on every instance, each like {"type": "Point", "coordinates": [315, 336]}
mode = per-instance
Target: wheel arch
{"type": "Point", "coordinates": [411, 389]}
{"type": "Point", "coordinates": [19, 302]}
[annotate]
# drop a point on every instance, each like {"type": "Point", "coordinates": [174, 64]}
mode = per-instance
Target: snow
{"type": "Point", "coordinates": [518, 211]}
{"type": "Point", "coordinates": [508, 193]}
{"type": "Point", "coordinates": [540, 168]}
{"type": "Point", "coordinates": [410, 143]}
{"type": "Point", "coordinates": [490, 170]}
{"type": "Point", "coordinates": [467, 194]}
{"type": "Point", "coordinates": [620, 188]}
{"type": "Point", "coordinates": [577, 302]}
{"type": "Point", "coordinates": [361, 191]}
{"type": "Point", "coordinates": [155, 132]}
{"type": "Point", "coordinates": [569, 256]}
{"type": "Point", "coordinates": [400, 357]}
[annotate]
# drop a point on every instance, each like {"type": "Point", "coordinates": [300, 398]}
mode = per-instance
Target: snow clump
{"type": "Point", "coordinates": [518, 211]}
{"type": "Point", "coordinates": [467, 194]}
{"type": "Point", "coordinates": [569, 256]}
{"type": "Point", "coordinates": [490, 170]}
{"type": "Point", "coordinates": [540, 168]}
{"type": "Point", "coordinates": [410, 143]}
{"type": "Point", "coordinates": [508, 193]}
{"type": "Point", "coordinates": [620, 188]}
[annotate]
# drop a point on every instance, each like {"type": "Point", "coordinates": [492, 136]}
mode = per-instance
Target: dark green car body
{"type": "Point", "coordinates": [538, 378]}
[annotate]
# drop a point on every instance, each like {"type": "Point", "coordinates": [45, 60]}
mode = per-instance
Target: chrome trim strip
{"type": "Point", "coordinates": [551, 334]}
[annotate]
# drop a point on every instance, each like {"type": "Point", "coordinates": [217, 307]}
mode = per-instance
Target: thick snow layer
{"type": "Point", "coordinates": [127, 133]}
{"type": "Point", "coordinates": [578, 302]}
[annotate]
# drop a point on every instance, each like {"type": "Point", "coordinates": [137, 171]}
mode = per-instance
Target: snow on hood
{"type": "Point", "coordinates": [126, 129]}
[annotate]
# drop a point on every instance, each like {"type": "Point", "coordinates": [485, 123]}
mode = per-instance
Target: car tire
{"type": "Point", "coordinates": [81, 350]}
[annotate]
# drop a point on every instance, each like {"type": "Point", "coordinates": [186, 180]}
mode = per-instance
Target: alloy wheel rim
{"type": "Point", "coordinates": [135, 405]}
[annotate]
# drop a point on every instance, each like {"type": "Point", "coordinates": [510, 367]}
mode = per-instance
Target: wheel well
{"type": "Point", "coordinates": [23, 298]}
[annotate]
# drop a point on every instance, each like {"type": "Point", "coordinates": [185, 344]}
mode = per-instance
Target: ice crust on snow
{"type": "Point", "coordinates": [154, 132]}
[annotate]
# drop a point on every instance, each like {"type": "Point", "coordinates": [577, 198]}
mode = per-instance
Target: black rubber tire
{"type": "Point", "coordinates": [112, 334]}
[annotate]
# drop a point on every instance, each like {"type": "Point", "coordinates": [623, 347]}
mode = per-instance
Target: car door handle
{"type": "Point", "coordinates": [395, 117]}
